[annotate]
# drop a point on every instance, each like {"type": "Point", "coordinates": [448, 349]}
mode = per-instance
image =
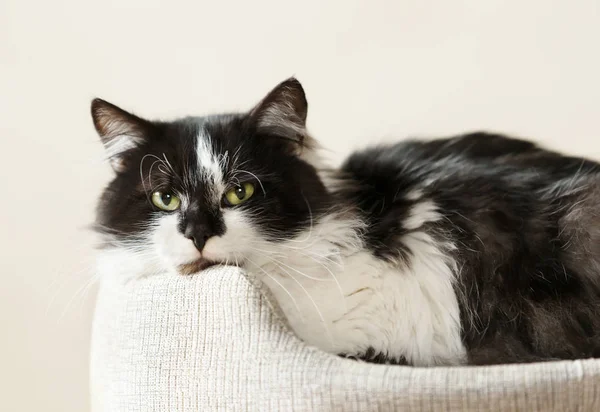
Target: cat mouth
{"type": "Point", "coordinates": [195, 266]}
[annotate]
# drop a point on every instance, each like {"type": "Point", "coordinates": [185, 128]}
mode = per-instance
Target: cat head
{"type": "Point", "coordinates": [199, 191]}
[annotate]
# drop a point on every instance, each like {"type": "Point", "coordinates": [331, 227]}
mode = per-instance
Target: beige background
{"type": "Point", "coordinates": [373, 70]}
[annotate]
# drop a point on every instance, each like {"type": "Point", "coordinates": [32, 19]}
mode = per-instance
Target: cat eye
{"type": "Point", "coordinates": [165, 201]}
{"type": "Point", "coordinates": [239, 194]}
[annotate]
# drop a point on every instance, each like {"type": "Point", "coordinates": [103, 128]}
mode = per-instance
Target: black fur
{"type": "Point", "coordinates": [525, 290]}
{"type": "Point", "coordinates": [373, 356]}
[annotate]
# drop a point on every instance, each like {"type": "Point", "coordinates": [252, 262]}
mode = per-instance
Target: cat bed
{"type": "Point", "coordinates": [212, 342]}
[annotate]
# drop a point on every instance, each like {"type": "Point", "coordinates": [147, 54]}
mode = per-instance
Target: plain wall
{"type": "Point", "coordinates": [373, 70]}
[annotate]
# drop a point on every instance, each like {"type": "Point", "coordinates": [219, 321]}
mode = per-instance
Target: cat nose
{"type": "Point", "coordinates": [197, 234]}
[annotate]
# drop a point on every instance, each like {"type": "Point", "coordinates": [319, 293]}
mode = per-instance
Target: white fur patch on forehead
{"type": "Point", "coordinates": [210, 164]}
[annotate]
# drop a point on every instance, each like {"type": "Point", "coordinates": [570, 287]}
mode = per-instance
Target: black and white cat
{"type": "Point", "coordinates": [474, 249]}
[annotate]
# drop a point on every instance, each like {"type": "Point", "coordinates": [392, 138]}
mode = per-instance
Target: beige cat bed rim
{"type": "Point", "coordinates": [211, 342]}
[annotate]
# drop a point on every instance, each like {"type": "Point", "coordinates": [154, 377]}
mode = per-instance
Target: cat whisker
{"type": "Point", "coordinates": [295, 270]}
{"type": "Point", "coordinates": [86, 291]}
{"type": "Point", "coordinates": [63, 276]}
{"type": "Point", "coordinates": [305, 247]}
{"type": "Point", "coordinates": [335, 279]}
{"type": "Point", "coordinates": [282, 287]}
{"type": "Point", "coordinates": [329, 335]}
{"type": "Point", "coordinates": [307, 252]}
{"type": "Point", "coordinates": [320, 263]}
{"type": "Point", "coordinates": [81, 292]}
{"type": "Point", "coordinates": [310, 215]}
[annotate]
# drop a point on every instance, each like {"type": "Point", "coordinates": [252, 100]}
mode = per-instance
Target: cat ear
{"type": "Point", "coordinates": [119, 131]}
{"type": "Point", "coordinates": [282, 113]}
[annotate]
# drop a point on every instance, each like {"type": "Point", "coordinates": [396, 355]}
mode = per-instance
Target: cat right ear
{"type": "Point", "coordinates": [119, 131]}
{"type": "Point", "coordinates": [282, 113]}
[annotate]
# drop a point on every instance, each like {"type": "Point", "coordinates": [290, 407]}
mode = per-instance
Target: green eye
{"type": "Point", "coordinates": [165, 201]}
{"type": "Point", "coordinates": [239, 194]}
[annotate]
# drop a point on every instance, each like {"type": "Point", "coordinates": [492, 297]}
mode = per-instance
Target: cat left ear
{"type": "Point", "coordinates": [282, 113]}
{"type": "Point", "coordinates": [119, 131]}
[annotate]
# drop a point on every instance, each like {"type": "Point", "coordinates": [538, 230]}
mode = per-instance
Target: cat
{"type": "Point", "coordinates": [474, 249]}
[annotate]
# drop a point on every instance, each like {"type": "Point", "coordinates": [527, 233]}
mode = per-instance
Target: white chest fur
{"type": "Point", "coordinates": [340, 298]}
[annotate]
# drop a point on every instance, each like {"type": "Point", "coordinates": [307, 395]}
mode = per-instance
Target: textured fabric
{"type": "Point", "coordinates": [211, 342]}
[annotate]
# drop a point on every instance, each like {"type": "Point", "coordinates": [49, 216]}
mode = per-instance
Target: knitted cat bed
{"type": "Point", "coordinates": [212, 342]}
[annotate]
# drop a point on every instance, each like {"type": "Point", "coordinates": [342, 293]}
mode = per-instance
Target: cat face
{"type": "Point", "coordinates": [205, 190]}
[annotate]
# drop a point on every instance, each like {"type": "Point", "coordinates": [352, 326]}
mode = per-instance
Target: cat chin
{"type": "Point", "coordinates": [195, 266]}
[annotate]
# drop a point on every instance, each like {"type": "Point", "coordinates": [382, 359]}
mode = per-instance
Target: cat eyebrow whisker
{"type": "Point", "coordinates": [142, 175]}
{"type": "Point", "coordinates": [222, 159]}
{"type": "Point", "coordinates": [164, 163]}
{"type": "Point", "coordinates": [161, 168]}
{"type": "Point", "coordinates": [150, 173]}
{"type": "Point", "coordinates": [256, 177]}
{"type": "Point", "coordinates": [172, 173]}
{"type": "Point", "coordinates": [237, 180]}
{"type": "Point", "coordinates": [242, 164]}
{"type": "Point", "coordinates": [235, 157]}
{"type": "Point", "coordinates": [169, 164]}
{"type": "Point", "coordinates": [164, 166]}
